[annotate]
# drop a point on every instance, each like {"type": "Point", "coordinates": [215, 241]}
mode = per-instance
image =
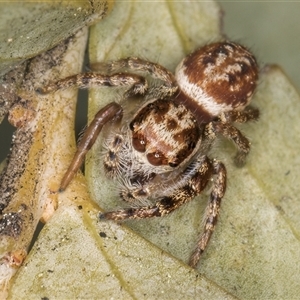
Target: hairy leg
{"type": "Point", "coordinates": [137, 84]}
{"type": "Point", "coordinates": [249, 114]}
{"type": "Point", "coordinates": [135, 64]}
{"type": "Point", "coordinates": [212, 211]}
{"type": "Point", "coordinates": [193, 181]}
{"type": "Point", "coordinates": [112, 111]}
{"type": "Point", "coordinates": [232, 133]}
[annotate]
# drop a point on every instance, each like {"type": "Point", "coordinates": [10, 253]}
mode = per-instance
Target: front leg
{"type": "Point", "coordinates": [137, 84]}
{"type": "Point", "coordinates": [187, 186]}
{"type": "Point", "coordinates": [112, 111]}
{"type": "Point", "coordinates": [134, 64]}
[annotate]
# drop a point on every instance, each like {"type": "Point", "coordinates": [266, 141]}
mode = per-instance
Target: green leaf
{"type": "Point", "coordinates": [31, 28]}
{"type": "Point", "coordinates": [259, 214]}
{"type": "Point", "coordinates": [78, 257]}
{"type": "Point", "coordinates": [253, 253]}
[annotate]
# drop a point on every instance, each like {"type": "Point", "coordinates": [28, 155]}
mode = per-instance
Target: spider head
{"type": "Point", "coordinates": [165, 132]}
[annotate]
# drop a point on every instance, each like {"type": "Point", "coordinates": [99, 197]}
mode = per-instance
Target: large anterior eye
{"type": "Point", "coordinates": [156, 158]}
{"type": "Point", "coordinates": [138, 142]}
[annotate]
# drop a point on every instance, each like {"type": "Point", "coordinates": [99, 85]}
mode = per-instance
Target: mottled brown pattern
{"type": "Point", "coordinates": [21, 113]}
{"type": "Point", "coordinates": [226, 71]}
{"type": "Point", "coordinates": [9, 83]}
{"type": "Point", "coordinates": [151, 125]}
{"type": "Point", "coordinates": [159, 156]}
{"type": "Point", "coordinates": [11, 224]}
{"type": "Point", "coordinates": [137, 83]}
{"type": "Point", "coordinates": [9, 178]}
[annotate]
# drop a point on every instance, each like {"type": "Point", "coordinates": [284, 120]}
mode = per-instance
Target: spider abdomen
{"type": "Point", "coordinates": [217, 78]}
{"type": "Point", "coordinates": [165, 131]}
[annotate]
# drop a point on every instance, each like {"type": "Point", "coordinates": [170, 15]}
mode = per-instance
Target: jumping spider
{"type": "Point", "coordinates": [160, 153]}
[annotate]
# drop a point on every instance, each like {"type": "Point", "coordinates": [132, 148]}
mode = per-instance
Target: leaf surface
{"type": "Point", "coordinates": [253, 253]}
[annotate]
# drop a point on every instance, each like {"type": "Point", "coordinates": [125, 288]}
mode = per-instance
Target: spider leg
{"type": "Point", "coordinates": [107, 113]}
{"type": "Point", "coordinates": [249, 114]}
{"type": "Point", "coordinates": [193, 181]}
{"type": "Point", "coordinates": [135, 64]}
{"type": "Point", "coordinates": [137, 83]}
{"type": "Point", "coordinates": [212, 211]}
{"type": "Point", "coordinates": [224, 127]}
{"type": "Point", "coordinates": [242, 143]}
{"type": "Point", "coordinates": [230, 132]}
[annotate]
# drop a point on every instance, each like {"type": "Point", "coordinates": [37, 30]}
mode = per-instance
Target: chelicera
{"type": "Point", "coordinates": [159, 153]}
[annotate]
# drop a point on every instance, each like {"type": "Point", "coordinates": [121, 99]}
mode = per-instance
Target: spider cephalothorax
{"type": "Point", "coordinates": [159, 156]}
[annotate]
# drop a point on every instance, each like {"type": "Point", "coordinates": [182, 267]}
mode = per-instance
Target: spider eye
{"type": "Point", "coordinates": [138, 143]}
{"type": "Point", "coordinates": [156, 158]}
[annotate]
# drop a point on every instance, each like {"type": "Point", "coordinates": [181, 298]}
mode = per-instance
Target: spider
{"type": "Point", "coordinates": [159, 154]}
